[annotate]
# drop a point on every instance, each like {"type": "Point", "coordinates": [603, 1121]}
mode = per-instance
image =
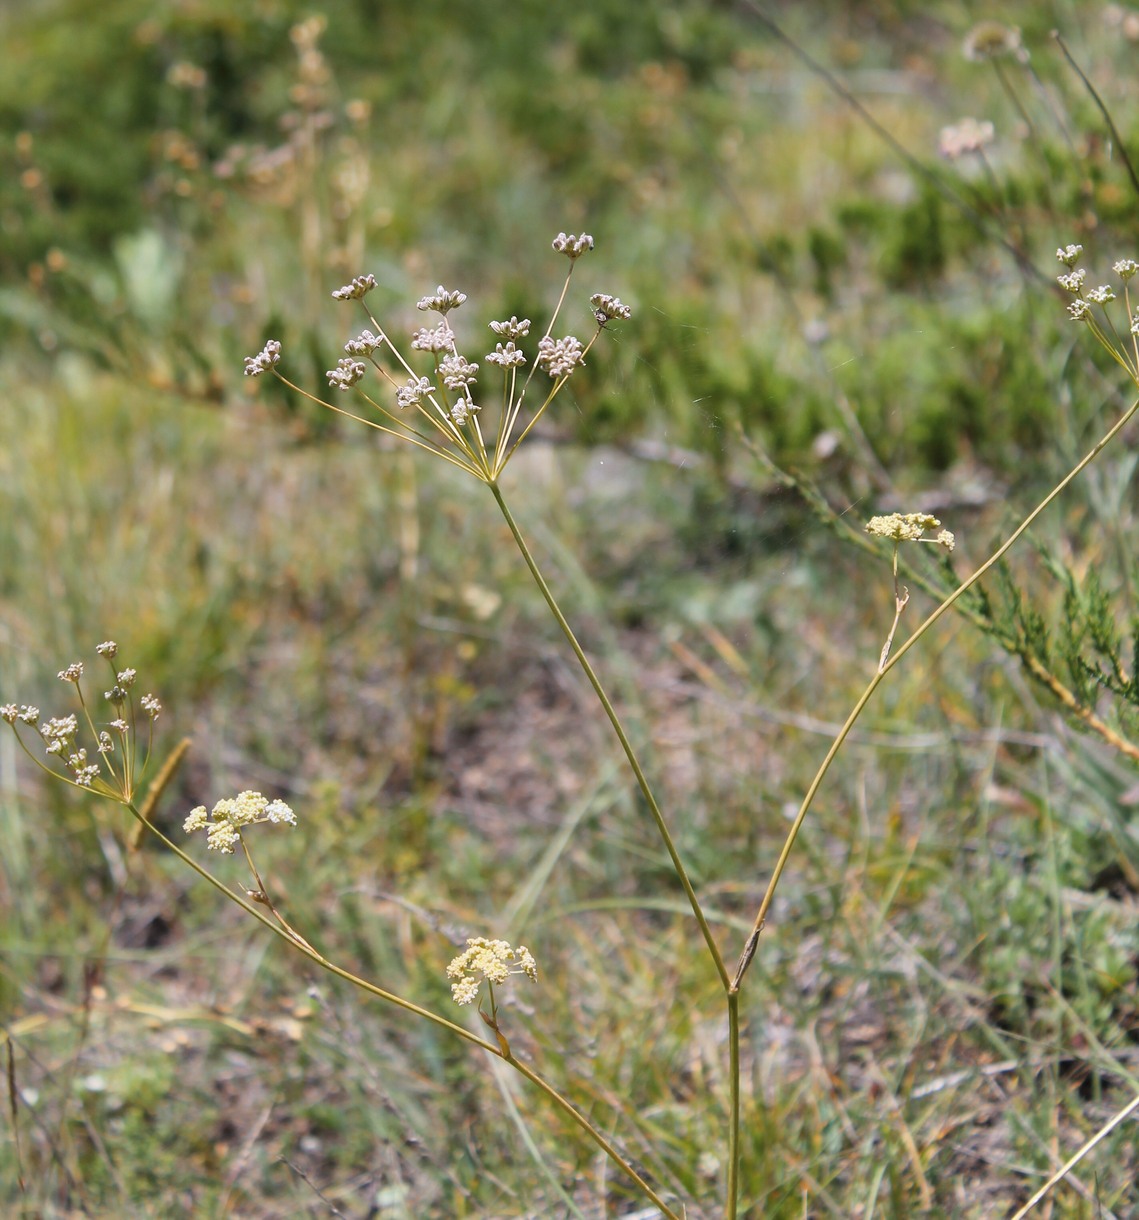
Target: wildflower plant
{"type": "Point", "coordinates": [429, 396]}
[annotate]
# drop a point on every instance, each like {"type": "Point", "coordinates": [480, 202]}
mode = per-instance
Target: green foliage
{"type": "Point", "coordinates": [914, 256]}
{"type": "Point", "coordinates": [1094, 647]}
{"type": "Point", "coordinates": [1046, 966]}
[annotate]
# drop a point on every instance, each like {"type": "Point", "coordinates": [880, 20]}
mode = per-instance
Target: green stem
{"type": "Point", "coordinates": [761, 916]}
{"type": "Point", "coordinates": [734, 1100]}
{"type": "Point", "coordinates": [591, 1131]}
{"type": "Point", "coordinates": [622, 737]}
{"type": "Point", "coordinates": [294, 941]}
{"type": "Point", "coordinates": [291, 939]}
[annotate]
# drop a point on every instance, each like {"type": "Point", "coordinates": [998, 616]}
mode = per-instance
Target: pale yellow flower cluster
{"type": "Point", "coordinates": [224, 823]}
{"type": "Point", "coordinates": [493, 960]}
{"type": "Point", "coordinates": [909, 527]}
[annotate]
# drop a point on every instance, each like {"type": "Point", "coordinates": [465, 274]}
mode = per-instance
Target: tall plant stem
{"type": "Point", "coordinates": [300, 945]}
{"type": "Point", "coordinates": [734, 1103]}
{"type": "Point", "coordinates": [622, 737]}
{"type": "Point", "coordinates": [761, 916]}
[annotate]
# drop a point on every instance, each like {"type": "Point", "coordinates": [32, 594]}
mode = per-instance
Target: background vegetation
{"type": "Point", "coordinates": [944, 1005]}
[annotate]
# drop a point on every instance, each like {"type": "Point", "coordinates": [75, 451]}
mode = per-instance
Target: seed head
{"type": "Point", "coordinates": [268, 356]}
{"type": "Point", "coordinates": [357, 290]}
{"type": "Point", "coordinates": [364, 344]}
{"type": "Point", "coordinates": [990, 40]}
{"type": "Point", "coordinates": [441, 301]}
{"type": "Point", "coordinates": [463, 410]}
{"type": "Point", "coordinates": [506, 355]}
{"type": "Point", "coordinates": [457, 373]}
{"type": "Point", "coordinates": [606, 308]}
{"type": "Point", "coordinates": [559, 357]}
{"type": "Point", "coordinates": [572, 246]}
{"type": "Point", "coordinates": [346, 373]}
{"type": "Point", "coordinates": [512, 329]}
{"type": "Point", "coordinates": [441, 339]}
{"type": "Point", "coordinates": [413, 392]}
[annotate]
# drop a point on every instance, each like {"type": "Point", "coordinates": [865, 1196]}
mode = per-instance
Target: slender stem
{"type": "Point", "coordinates": [734, 1103]}
{"type": "Point", "coordinates": [788, 843]}
{"type": "Point", "coordinates": [622, 736]}
{"type": "Point", "coordinates": [303, 947]}
{"type": "Point", "coordinates": [1000, 553]}
{"type": "Point", "coordinates": [1013, 97]}
{"type": "Point", "coordinates": [1119, 144]}
{"type": "Point", "coordinates": [297, 942]}
{"type": "Point", "coordinates": [526, 431]}
{"type": "Point", "coordinates": [371, 423]}
{"type": "Point", "coordinates": [591, 1131]}
{"type": "Point", "coordinates": [1073, 1161]}
{"type": "Point", "coordinates": [761, 916]}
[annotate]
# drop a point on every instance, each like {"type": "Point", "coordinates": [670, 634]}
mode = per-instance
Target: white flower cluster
{"type": "Point", "coordinates": [573, 246]}
{"type": "Point", "coordinates": [1072, 280]}
{"type": "Point", "coordinates": [268, 356]}
{"type": "Point", "coordinates": [606, 308]}
{"type": "Point", "coordinates": [559, 357]}
{"type": "Point", "coordinates": [357, 290]}
{"type": "Point", "coordinates": [441, 301]}
{"type": "Point", "coordinates": [967, 136]}
{"type": "Point", "coordinates": [346, 373]}
{"type": "Point", "coordinates": [444, 401]}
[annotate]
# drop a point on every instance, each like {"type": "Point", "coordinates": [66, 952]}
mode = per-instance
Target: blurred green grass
{"type": "Point", "coordinates": [944, 1006]}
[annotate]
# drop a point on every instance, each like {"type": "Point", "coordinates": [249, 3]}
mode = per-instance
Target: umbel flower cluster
{"type": "Point", "coordinates": [99, 754]}
{"type": "Point", "coordinates": [492, 961]}
{"type": "Point", "coordinates": [909, 527]}
{"type": "Point", "coordinates": [228, 818]}
{"type": "Point", "coordinates": [439, 408]}
{"type": "Point", "coordinates": [1090, 306]}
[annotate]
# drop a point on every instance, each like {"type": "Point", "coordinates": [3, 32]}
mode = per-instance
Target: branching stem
{"type": "Point", "coordinates": [622, 737]}
{"type": "Point", "coordinates": [295, 941]}
{"type": "Point", "coordinates": [752, 941]}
